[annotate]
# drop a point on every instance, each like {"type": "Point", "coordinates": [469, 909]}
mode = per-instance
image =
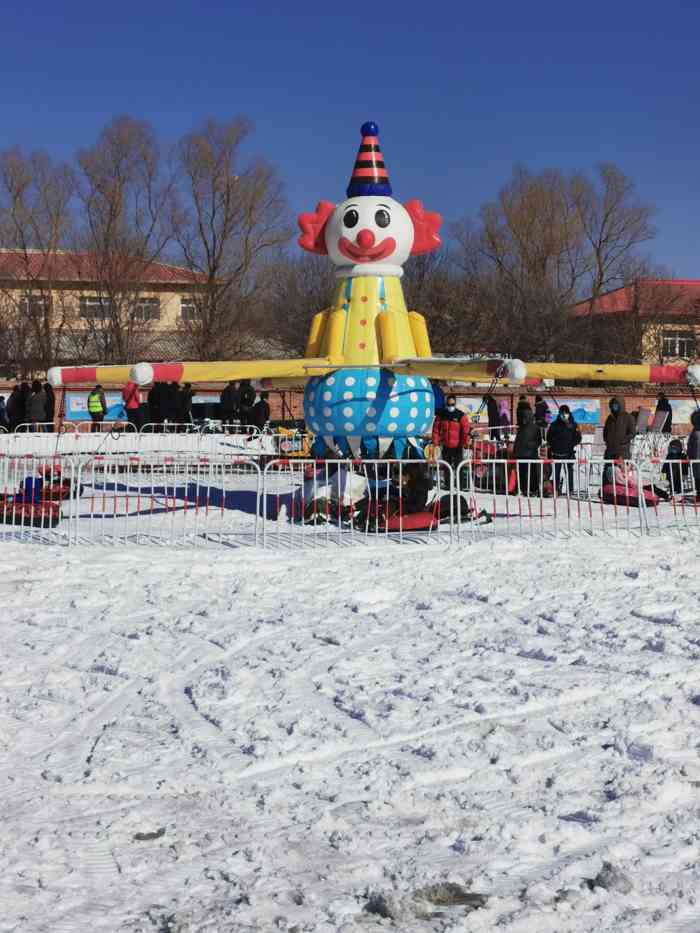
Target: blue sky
{"type": "Point", "coordinates": [461, 94]}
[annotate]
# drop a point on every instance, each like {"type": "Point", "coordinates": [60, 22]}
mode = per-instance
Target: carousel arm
{"type": "Point", "coordinates": [469, 370]}
{"type": "Point", "coordinates": [145, 373]}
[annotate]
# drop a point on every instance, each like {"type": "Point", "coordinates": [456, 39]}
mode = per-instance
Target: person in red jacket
{"type": "Point", "coordinates": [451, 432]}
{"type": "Point", "coordinates": [132, 402]}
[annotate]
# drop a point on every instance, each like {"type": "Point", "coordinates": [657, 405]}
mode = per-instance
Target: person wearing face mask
{"type": "Point", "coordinates": [563, 436]}
{"type": "Point", "coordinates": [618, 431]}
{"type": "Point", "coordinates": [451, 432]}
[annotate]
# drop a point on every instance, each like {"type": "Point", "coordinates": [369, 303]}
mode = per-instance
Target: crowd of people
{"type": "Point", "coordinates": [238, 406]}
{"type": "Point", "coordinates": [32, 404]}
{"type": "Point", "coordinates": [545, 448]}
{"type": "Point", "coordinates": [168, 403]}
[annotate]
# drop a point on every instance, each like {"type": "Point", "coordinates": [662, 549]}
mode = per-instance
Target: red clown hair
{"type": "Point", "coordinates": [313, 227]}
{"type": "Point", "coordinates": [426, 225]}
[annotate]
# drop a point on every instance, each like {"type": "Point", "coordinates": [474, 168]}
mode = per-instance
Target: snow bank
{"type": "Point", "coordinates": [500, 737]}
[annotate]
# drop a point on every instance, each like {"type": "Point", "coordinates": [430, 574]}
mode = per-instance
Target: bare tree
{"type": "Point", "coordinates": [297, 287]}
{"type": "Point", "coordinates": [124, 189]}
{"type": "Point", "coordinates": [229, 218]}
{"type": "Point", "coordinates": [35, 223]}
{"type": "Point", "coordinates": [548, 241]}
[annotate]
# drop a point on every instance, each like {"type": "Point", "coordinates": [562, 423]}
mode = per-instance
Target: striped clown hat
{"type": "Point", "coordinates": [369, 176]}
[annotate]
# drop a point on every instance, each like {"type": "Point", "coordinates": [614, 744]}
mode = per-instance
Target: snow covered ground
{"type": "Point", "coordinates": [498, 737]}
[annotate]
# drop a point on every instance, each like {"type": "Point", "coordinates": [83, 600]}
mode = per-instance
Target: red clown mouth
{"type": "Point", "coordinates": [366, 253]}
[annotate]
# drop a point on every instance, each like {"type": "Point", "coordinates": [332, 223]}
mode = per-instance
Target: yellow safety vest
{"type": "Point", "coordinates": [95, 404]}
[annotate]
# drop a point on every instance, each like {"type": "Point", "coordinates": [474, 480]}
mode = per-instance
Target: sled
{"type": "Point", "coordinates": [14, 511]}
{"type": "Point", "coordinates": [627, 495]}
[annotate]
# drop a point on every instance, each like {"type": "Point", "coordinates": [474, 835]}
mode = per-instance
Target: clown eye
{"type": "Point", "coordinates": [350, 218]}
{"type": "Point", "coordinates": [382, 218]}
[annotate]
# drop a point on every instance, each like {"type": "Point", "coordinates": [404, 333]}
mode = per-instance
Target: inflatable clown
{"type": "Point", "coordinates": [368, 360]}
{"type": "Point", "coordinates": [365, 407]}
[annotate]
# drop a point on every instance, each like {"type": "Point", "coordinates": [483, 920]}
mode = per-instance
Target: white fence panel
{"type": "Point", "coordinates": [37, 498]}
{"type": "Point", "coordinates": [550, 498]}
{"type": "Point", "coordinates": [314, 503]}
{"type": "Point", "coordinates": [170, 501]}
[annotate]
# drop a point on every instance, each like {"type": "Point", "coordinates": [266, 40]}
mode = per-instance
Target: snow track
{"type": "Point", "coordinates": [255, 741]}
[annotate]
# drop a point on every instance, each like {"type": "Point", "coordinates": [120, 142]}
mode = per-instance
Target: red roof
{"type": "Point", "coordinates": [672, 297]}
{"type": "Point", "coordinates": [64, 266]}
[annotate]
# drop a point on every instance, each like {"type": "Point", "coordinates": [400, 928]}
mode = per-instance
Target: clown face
{"type": "Point", "coordinates": [369, 236]}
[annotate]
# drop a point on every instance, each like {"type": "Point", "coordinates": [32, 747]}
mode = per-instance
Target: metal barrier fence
{"type": "Point", "coordinates": [38, 497]}
{"type": "Point", "coordinates": [73, 427]}
{"type": "Point", "coordinates": [167, 500]}
{"type": "Point", "coordinates": [117, 441]}
{"type": "Point", "coordinates": [233, 500]}
{"type": "Point", "coordinates": [313, 503]}
{"type": "Point", "coordinates": [551, 498]}
{"type": "Point", "coordinates": [188, 427]}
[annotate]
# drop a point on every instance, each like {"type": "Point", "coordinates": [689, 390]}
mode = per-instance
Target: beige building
{"type": "Point", "coordinates": [652, 321]}
{"type": "Point", "coordinates": [72, 307]}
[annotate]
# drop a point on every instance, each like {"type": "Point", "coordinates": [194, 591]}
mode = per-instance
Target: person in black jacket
{"type": "Point", "coordinates": [50, 405]}
{"type": "Point", "coordinates": [155, 403]}
{"type": "Point", "coordinates": [493, 415]}
{"type": "Point", "coordinates": [15, 408]}
{"type": "Point", "coordinates": [247, 400]}
{"type": "Point", "coordinates": [527, 448]}
{"type": "Point", "coordinates": [260, 414]}
{"type": "Point", "coordinates": [675, 469]}
{"type": "Point", "coordinates": [563, 437]}
{"type": "Point", "coordinates": [230, 401]}
{"type": "Point", "coordinates": [522, 407]}
{"type": "Point", "coordinates": [663, 404]}
{"type": "Point", "coordinates": [185, 397]}
{"type": "Point", "coordinates": [541, 414]}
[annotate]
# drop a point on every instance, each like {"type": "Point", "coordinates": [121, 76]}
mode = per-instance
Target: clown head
{"type": "Point", "coordinates": [370, 233]}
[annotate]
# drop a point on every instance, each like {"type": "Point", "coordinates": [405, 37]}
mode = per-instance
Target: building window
{"type": "Point", "coordinates": [34, 304]}
{"type": "Point", "coordinates": [679, 344]}
{"type": "Point", "coordinates": [96, 309]}
{"type": "Point", "coordinates": [146, 309]}
{"type": "Point", "coordinates": [188, 309]}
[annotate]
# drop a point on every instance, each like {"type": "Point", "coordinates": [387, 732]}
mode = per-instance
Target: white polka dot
{"type": "Point", "coordinates": [349, 426]}
{"type": "Point", "coordinates": [371, 426]}
{"type": "Point", "coordinates": [315, 425]}
{"type": "Point", "coordinates": [329, 426]}
{"type": "Point", "coordinates": [347, 395]}
{"type": "Point", "coordinates": [410, 426]}
{"type": "Point", "coordinates": [393, 396]}
{"type": "Point", "coordinates": [330, 381]}
{"type": "Point", "coordinates": [426, 395]}
{"type": "Point", "coordinates": [410, 382]}
{"type": "Point", "coordinates": [312, 410]}
{"type": "Point", "coordinates": [327, 396]}
{"type": "Point", "coordinates": [413, 413]}
{"type": "Point", "coordinates": [371, 381]}
{"type": "Point", "coordinates": [391, 426]}
{"type": "Point", "coordinates": [414, 396]}
{"type": "Point", "coordinates": [371, 412]}
{"type": "Point", "coordinates": [424, 427]}
{"type": "Point", "coordinates": [350, 381]}
{"type": "Point", "coordinates": [327, 412]}
{"type": "Point", "coordinates": [423, 382]}
{"type": "Point", "coordinates": [427, 412]}
{"type": "Point", "coordinates": [371, 395]}
{"type": "Point", "coordinates": [394, 412]}
{"type": "Point", "coordinates": [347, 411]}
